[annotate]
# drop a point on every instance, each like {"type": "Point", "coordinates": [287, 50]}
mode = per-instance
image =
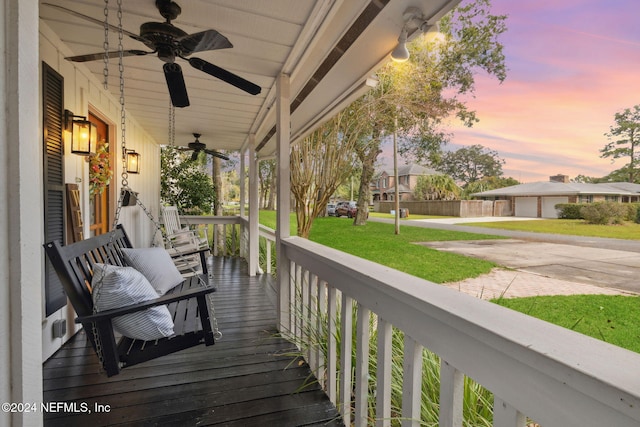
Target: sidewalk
{"type": "Point", "coordinates": [517, 284]}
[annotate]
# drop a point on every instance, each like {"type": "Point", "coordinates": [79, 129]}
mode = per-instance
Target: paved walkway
{"type": "Point", "coordinates": [542, 264]}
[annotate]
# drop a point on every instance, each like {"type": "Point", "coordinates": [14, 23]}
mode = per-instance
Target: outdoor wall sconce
{"type": "Point", "coordinates": [133, 161]}
{"type": "Point", "coordinates": [84, 134]}
{"type": "Point", "coordinates": [414, 23]}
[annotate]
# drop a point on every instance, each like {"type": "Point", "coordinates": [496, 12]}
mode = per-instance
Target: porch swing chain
{"type": "Point", "coordinates": [105, 45]}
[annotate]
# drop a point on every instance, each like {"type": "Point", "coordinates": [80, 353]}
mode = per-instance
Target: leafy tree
{"type": "Point", "coordinates": [436, 187]}
{"type": "Point", "coordinates": [414, 97]}
{"type": "Point", "coordinates": [320, 163]}
{"type": "Point", "coordinates": [183, 183]}
{"type": "Point", "coordinates": [624, 138]}
{"type": "Point", "coordinates": [267, 177]}
{"type": "Point", "coordinates": [470, 164]}
{"type": "Point", "coordinates": [486, 184]}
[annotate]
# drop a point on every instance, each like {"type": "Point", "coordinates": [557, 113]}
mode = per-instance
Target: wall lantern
{"type": "Point", "coordinates": [133, 161]}
{"type": "Point", "coordinates": [84, 134]}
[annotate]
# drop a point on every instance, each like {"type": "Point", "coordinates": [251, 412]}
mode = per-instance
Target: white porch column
{"type": "Point", "coordinates": [283, 135]}
{"type": "Point", "coordinates": [244, 245]}
{"type": "Point", "coordinates": [21, 212]}
{"type": "Point", "coordinates": [253, 207]}
{"type": "Point", "coordinates": [243, 197]}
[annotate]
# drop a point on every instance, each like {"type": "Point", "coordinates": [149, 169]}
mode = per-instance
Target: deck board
{"type": "Point", "coordinates": [245, 379]}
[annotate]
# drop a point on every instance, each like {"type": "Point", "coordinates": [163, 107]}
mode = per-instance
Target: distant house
{"type": "Point", "coordinates": [383, 186]}
{"type": "Point", "coordinates": [538, 199]}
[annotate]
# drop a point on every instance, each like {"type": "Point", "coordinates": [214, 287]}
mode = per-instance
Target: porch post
{"type": "Point", "coordinates": [254, 230]}
{"type": "Point", "coordinates": [21, 207]}
{"type": "Point", "coordinates": [283, 135]}
{"type": "Point", "coordinates": [243, 197]}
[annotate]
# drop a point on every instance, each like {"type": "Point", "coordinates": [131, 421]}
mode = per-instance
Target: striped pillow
{"type": "Point", "coordinates": [156, 265]}
{"type": "Point", "coordinates": [115, 287]}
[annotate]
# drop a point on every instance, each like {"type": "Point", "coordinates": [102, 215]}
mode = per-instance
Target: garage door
{"type": "Point", "coordinates": [527, 207]}
{"type": "Point", "coordinates": [548, 206]}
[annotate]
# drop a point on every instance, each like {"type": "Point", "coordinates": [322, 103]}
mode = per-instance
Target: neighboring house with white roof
{"type": "Point", "coordinates": [538, 199]}
{"type": "Point", "coordinates": [383, 186]}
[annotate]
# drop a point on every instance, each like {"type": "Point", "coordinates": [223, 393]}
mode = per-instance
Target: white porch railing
{"type": "Point", "coordinates": [228, 232]}
{"type": "Point", "coordinates": [534, 369]}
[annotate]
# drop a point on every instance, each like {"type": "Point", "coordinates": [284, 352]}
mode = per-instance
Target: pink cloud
{"type": "Point", "coordinates": [572, 66]}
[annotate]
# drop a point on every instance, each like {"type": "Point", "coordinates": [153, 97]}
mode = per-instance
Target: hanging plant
{"type": "Point", "coordinates": [100, 172]}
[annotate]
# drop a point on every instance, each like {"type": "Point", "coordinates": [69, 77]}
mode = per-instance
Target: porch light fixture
{"type": "Point", "coordinates": [133, 162]}
{"type": "Point", "coordinates": [414, 23]}
{"type": "Point", "coordinates": [84, 134]}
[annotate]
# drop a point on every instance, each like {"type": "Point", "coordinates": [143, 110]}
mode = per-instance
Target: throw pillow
{"type": "Point", "coordinates": [156, 265]}
{"type": "Point", "coordinates": [115, 287]}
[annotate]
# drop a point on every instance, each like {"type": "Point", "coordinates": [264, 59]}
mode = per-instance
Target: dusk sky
{"type": "Point", "coordinates": [572, 64]}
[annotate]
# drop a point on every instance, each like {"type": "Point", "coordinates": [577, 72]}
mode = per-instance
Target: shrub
{"type": "Point", "coordinates": [570, 210]}
{"type": "Point", "coordinates": [632, 211]}
{"type": "Point", "coordinates": [604, 213]}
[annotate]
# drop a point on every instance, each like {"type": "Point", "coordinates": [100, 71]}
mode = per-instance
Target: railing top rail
{"type": "Point", "coordinates": [210, 219]}
{"type": "Point", "coordinates": [575, 378]}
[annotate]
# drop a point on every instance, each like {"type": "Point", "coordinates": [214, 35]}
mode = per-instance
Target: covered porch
{"type": "Point", "coordinates": [321, 58]}
{"type": "Point", "coordinates": [250, 377]}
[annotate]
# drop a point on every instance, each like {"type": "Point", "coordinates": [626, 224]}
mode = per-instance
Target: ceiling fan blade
{"type": "Point", "coordinates": [216, 154]}
{"type": "Point", "coordinates": [112, 54]}
{"type": "Point", "coordinates": [94, 20]}
{"type": "Point", "coordinates": [204, 40]}
{"type": "Point", "coordinates": [194, 156]}
{"type": "Point", "coordinates": [225, 75]}
{"type": "Point", "coordinates": [175, 82]}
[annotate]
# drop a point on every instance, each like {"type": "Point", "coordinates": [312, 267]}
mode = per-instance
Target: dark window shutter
{"type": "Point", "coordinates": [53, 117]}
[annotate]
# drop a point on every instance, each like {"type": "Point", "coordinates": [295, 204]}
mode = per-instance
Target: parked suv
{"type": "Point", "coordinates": [348, 209]}
{"type": "Point", "coordinates": [331, 209]}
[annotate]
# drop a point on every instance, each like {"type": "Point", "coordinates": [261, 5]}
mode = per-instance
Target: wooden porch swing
{"type": "Point", "coordinates": [188, 304]}
{"type": "Point", "coordinates": [152, 306]}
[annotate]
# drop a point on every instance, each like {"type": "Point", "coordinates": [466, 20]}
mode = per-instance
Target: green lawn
{"type": "Point", "coordinates": [576, 227]}
{"type": "Point", "coordinates": [614, 319]}
{"type": "Point", "coordinates": [611, 318]}
{"type": "Point", "coordinates": [377, 242]}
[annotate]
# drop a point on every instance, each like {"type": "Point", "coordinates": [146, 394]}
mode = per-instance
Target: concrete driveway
{"type": "Point", "coordinates": [582, 267]}
{"type": "Point", "coordinates": [541, 264]}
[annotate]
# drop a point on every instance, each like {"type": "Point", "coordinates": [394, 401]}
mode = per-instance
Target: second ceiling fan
{"type": "Point", "coordinates": [170, 42]}
{"type": "Point", "coordinates": [198, 146]}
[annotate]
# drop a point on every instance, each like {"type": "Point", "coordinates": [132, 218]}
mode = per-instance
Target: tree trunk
{"type": "Point", "coordinates": [368, 156]}
{"type": "Point", "coordinates": [272, 190]}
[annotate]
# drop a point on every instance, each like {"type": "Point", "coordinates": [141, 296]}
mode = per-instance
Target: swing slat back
{"type": "Point", "coordinates": [74, 264]}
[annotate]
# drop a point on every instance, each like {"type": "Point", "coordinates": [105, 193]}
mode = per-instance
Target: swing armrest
{"type": "Point", "coordinates": [163, 300]}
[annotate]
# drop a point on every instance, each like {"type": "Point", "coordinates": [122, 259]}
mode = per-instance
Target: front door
{"type": "Point", "coordinates": [100, 195]}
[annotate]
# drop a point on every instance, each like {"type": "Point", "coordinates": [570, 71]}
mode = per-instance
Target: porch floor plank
{"type": "Point", "coordinates": [246, 379]}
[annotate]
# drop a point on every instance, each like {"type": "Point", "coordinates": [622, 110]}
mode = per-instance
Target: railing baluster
{"type": "Point", "coordinates": [362, 366]}
{"type": "Point", "coordinates": [216, 238]}
{"type": "Point", "coordinates": [505, 415]}
{"type": "Point", "coordinates": [268, 246]}
{"type": "Point", "coordinates": [332, 350]}
{"type": "Point", "coordinates": [346, 344]}
{"type": "Point", "coordinates": [296, 319]}
{"type": "Point", "coordinates": [304, 312]}
{"type": "Point", "coordinates": [322, 308]}
{"type": "Point", "coordinates": [383, 387]}
{"type": "Point", "coordinates": [451, 395]}
{"type": "Point", "coordinates": [412, 382]}
{"type": "Point", "coordinates": [312, 331]}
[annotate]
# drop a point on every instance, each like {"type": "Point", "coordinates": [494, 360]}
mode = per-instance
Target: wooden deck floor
{"type": "Point", "coordinates": [245, 379]}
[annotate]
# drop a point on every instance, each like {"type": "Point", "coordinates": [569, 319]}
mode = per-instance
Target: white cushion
{"type": "Point", "coordinates": [115, 287]}
{"type": "Point", "coordinates": [156, 265]}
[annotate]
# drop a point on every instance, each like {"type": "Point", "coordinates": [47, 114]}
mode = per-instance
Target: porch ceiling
{"type": "Point", "coordinates": [269, 37]}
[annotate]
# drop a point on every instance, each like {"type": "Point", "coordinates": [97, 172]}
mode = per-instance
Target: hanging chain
{"type": "Point", "coordinates": [105, 45]}
{"type": "Point", "coordinates": [125, 175]}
